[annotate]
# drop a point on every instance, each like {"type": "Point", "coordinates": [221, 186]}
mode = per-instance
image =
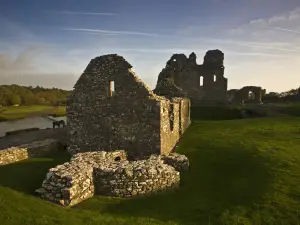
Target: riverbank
{"type": "Point", "coordinates": [21, 112]}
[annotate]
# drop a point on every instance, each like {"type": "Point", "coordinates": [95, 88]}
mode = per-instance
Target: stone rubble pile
{"type": "Point", "coordinates": [25, 151]}
{"type": "Point", "coordinates": [109, 174]}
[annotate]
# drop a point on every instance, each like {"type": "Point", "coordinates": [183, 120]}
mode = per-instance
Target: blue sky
{"type": "Point", "coordinates": [51, 42]}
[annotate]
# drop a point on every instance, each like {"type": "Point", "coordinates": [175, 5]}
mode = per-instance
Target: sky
{"type": "Point", "coordinates": [50, 43]}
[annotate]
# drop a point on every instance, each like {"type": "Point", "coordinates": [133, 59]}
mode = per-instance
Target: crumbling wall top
{"type": "Point", "coordinates": [250, 87]}
{"type": "Point", "coordinates": [214, 58]}
{"type": "Point", "coordinates": [103, 70]}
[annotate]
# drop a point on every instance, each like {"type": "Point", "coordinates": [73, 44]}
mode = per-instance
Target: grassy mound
{"type": "Point", "coordinates": [242, 172]}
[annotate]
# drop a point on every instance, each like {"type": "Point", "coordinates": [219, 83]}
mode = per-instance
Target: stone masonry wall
{"type": "Point", "coordinates": [25, 151]}
{"type": "Point", "coordinates": [170, 129]}
{"type": "Point", "coordinates": [184, 116]}
{"type": "Point", "coordinates": [127, 116]}
{"type": "Point", "coordinates": [109, 173]}
{"type": "Point", "coordinates": [175, 119]}
{"type": "Point", "coordinates": [238, 96]}
{"type": "Point", "coordinates": [186, 76]}
{"type": "Point", "coordinates": [117, 124]}
{"type": "Point", "coordinates": [12, 155]}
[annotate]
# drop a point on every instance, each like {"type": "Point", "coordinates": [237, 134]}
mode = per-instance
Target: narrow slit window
{"type": "Point", "coordinates": [171, 117]}
{"type": "Point", "coordinates": [215, 78]}
{"type": "Point", "coordinates": [111, 88]}
{"type": "Point", "coordinates": [201, 81]}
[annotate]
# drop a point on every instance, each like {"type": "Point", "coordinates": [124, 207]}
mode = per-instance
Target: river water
{"type": "Point", "coordinates": [31, 122]}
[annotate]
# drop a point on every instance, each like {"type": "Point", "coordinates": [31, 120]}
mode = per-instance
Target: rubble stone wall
{"type": "Point", "coordinates": [170, 129]}
{"type": "Point", "coordinates": [118, 124]}
{"type": "Point", "coordinates": [25, 151]}
{"type": "Point", "coordinates": [110, 174]}
{"type": "Point", "coordinates": [12, 155]}
{"type": "Point", "coordinates": [127, 116]}
{"type": "Point", "coordinates": [185, 114]}
{"type": "Point", "coordinates": [202, 84]}
{"type": "Point", "coordinates": [238, 96]}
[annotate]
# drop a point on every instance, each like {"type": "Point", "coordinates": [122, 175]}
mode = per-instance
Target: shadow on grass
{"type": "Point", "coordinates": [215, 113]}
{"type": "Point", "coordinates": [26, 176]}
{"type": "Point", "coordinates": [220, 178]}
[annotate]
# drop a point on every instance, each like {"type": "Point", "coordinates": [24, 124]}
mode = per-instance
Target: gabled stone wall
{"type": "Point", "coordinates": [129, 116]}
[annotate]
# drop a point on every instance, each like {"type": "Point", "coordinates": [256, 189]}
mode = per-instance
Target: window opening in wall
{"type": "Point", "coordinates": [111, 88]}
{"type": "Point", "coordinates": [171, 116]}
{"type": "Point", "coordinates": [201, 81]}
{"type": "Point", "coordinates": [215, 78]}
{"type": "Point", "coordinates": [251, 95]}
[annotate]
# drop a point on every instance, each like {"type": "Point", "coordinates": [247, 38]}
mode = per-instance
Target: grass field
{"type": "Point", "coordinates": [20, 112]}
{"type": "Point", "coordinates": [243, 172]}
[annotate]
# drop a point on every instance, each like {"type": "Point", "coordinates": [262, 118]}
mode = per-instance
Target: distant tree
{"type": "Point", "coordinates": [15, 99]}
{"type": "Point", "coordinates": [5, 94]}
{"type": "Point", "coordinates": [15, 94]}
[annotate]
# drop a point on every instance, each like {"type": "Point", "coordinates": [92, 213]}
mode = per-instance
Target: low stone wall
{"type": "Point", "coordinates": [109, 174]}
{"type": "Point", "coordinates": [13, 154]}
{"type": "Point", "coordinates": [40, 148]}
{"type": "Point", "coordinates": [135, 178]}
{"type": "Point", "coordinates": [179, 162]}
{"type": "Point", "coordinates": [34, 149]}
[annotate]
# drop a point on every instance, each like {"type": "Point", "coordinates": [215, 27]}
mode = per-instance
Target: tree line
{"type": "Point", "coordinates": [292, 95]}
{"type": "Point", "coordinates": [20, 95]}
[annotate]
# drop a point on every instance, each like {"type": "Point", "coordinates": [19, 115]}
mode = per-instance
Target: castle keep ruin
{"type": "Point", "coordinates": [202, 84]}
{"type": "Point", "coordinates": [111, 108]}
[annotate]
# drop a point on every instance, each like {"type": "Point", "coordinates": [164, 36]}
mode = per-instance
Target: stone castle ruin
{"type": "Point", "coordinates": [122, 135]}
{"type": "Point", "coordinates": [111, 108]}
{"type": "Point", "coordinates": [202, 84]}
{"type": "Point", "coordinates": [247, 94]}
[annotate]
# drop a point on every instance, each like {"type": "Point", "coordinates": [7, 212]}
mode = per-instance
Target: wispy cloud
{"type": "Point", "coordinates": [110, 32]}
{"type": "Point", "coordinates": [287, 30]}
{"type": "Point", "coordinates": [288, 21]}
{"type": "Point", "coordinates": [260, 45]}
{"type": "Point", "coordinates": [83, 13]}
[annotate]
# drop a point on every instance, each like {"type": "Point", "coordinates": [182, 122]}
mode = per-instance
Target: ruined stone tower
{"type": "Point", "coordinates": [202, 84]}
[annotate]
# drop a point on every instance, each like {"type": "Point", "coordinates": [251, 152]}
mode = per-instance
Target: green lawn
{"type": "Point", "coordinates": [290, 109]}
{"type": "Point", "coordinates": [242, 172]}
{"type": "Point", "coordinates": [20, 112]}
